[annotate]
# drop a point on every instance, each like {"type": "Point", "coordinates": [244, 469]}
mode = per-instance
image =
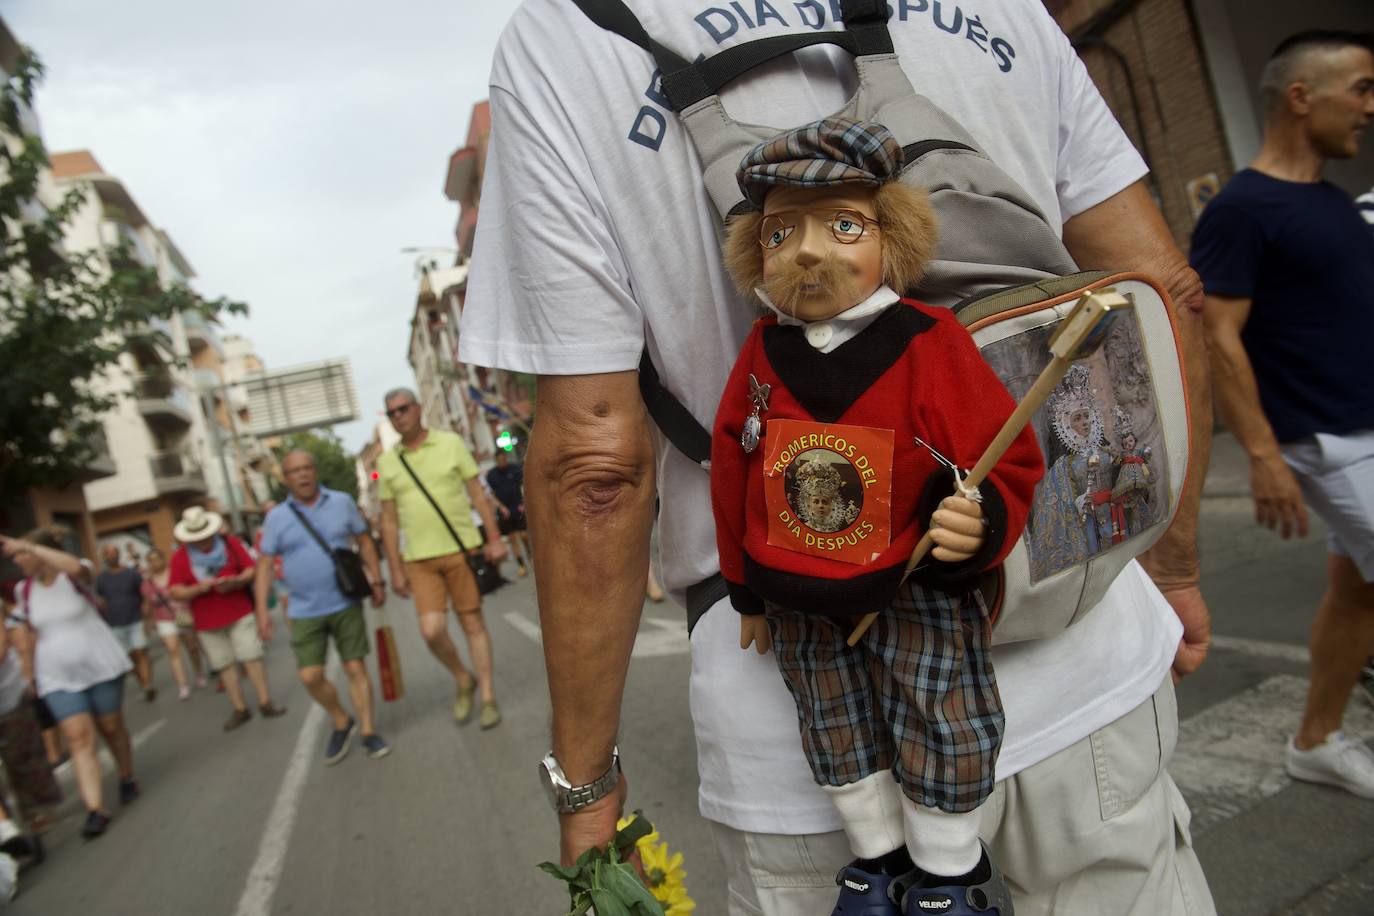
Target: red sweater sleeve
{"type": "Point", "coordinates": [964, 404]}
{"type": "Point", "coordinates": [730, 467]}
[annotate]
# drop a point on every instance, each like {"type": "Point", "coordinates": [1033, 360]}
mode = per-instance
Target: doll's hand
{"type": "Point", "coordinates": [958, 529]}
{"type": "Point", "coordinates": [753, 628]}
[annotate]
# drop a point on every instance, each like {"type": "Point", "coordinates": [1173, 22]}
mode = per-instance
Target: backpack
{"type": "Point", "coordinates": [1003, 269]}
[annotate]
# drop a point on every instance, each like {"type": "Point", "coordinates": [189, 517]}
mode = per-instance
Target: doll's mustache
{"type": "Point", "coordinates": [788, 283]}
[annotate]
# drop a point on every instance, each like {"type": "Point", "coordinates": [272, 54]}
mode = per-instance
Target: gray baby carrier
{"type": "Point", "coordinates": [1115, 432]}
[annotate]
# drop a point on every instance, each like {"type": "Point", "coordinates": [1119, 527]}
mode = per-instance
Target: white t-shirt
{"type": "Point", "coordinates": [597, 237]}
{"type": "Point", "coordinates": [74, 648]}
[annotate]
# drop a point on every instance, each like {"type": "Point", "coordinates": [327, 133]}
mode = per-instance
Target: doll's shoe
{"type": "Point", "coordinates": [863, 893]}
{"type": "Point", "coordinates": [990, 897]}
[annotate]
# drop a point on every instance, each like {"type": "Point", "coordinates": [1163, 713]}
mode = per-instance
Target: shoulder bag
{"type": "Point", "coordinates": [348, 566]}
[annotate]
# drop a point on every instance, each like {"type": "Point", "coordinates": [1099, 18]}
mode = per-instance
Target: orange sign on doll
{"type": "Point", "coordinates": [828, 489]}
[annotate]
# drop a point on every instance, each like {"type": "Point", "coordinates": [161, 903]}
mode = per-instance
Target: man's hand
{"type": "Point", "coordinates": [1197, 629]}
{"type": "Point", "coordinates": [958, 529]}
{"type": "Point", "coordinates": [12, 546]}
{"type": "Point", "coordinates": [753, 628]}
{"type": "Point", "coordinates": [592, 826]}
{"type": "Point", "coordinates": [1278, 498]}
{"type": "Point", "coordinates": [400, 584]}
{"type": "Point", "coordinates": [504, 512]}
{"type": "Point", "coordinates": [378, 594]}
{"type": "Point", "coordinates": [495, 550]}
{"type": "Point", "coordinates": [265, 626]}
{"type": "Point", "coordinates": [226, 585]}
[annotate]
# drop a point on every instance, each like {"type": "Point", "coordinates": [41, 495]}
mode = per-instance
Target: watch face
{"type": "Point", "coordinates": [550, 778]}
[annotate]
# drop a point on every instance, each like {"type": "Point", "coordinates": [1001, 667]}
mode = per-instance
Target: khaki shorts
{"type": "Point", "coordinates": [437, 581]}
{"type": "Point", "coordinates": [237, 642]}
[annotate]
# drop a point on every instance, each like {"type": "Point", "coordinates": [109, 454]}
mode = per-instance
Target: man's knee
{"type": "Point", "coordinates": [312, 676]}
{"type": "Point", "coordinates": [1348, 585]}
{"type": "Point", "coordinates": [356, 669]}
{"type": "Point", "coordinates": [434, 628]}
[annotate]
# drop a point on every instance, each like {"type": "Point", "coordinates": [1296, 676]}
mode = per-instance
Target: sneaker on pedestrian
{"type": "Point", "coordinates": [237, 718]}
{"type": "Point", "coordinates": [1366, 682]}
{"type": "Point", "coordinates": [149, 693]}
{"type": "Point", "coordinates": [12, 841]}
{"type": "Point", "coordinates": [375, 746]}
{"type": "Point", "coordinates": [462, 703]}
{"type": "Point", "coordinates": [128, 790]}
{"type": "Point", "coordinates": [339, 739]}
{"type": "Point", "coordinates": [96, 822]}
{"type": "Point", "coordinates": [271, 710]}
{"type": "Point", "coordinates": [183, 692]}
{"type": "Point", "coordinates": [1338, 761]}
{"type": "Point", "coordinates": [491, 715]}
{"type": "Point", "coordinates": [202, 681]}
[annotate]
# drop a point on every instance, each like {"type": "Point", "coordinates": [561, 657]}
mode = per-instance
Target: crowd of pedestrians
{"type": "Point", "coordinates": [73, 634]}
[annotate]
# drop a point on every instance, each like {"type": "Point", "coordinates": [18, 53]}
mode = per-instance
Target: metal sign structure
{"type": "Point", "coordinates": [297, 398]}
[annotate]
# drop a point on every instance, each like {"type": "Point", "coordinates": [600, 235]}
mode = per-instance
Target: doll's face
{"type": "Point", "coordinates": [818, 505]}
{"type": "Point", "coordinates": [1128, 442]}
{"type": "Point", "coordinates": [821, 250]}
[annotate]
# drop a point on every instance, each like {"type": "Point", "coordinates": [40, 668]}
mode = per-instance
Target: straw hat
{"type": "Point", "coordinates": [197, 523]}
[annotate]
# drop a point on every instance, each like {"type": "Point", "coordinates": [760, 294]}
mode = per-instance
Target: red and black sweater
{"type": "Point", "coordinates": [914, 370]}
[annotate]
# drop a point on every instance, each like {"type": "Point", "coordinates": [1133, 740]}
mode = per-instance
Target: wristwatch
{"type": "Point", "coordinates": [566, 797]}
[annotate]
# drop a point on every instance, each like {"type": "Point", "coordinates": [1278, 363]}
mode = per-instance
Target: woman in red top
{"type": "Point", "coordinates": [213, 571]}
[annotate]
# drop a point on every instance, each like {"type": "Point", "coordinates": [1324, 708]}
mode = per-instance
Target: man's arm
{"type": "Point", "coordinates": [391, 540]}
{"type": "Point", "coordinates": [1127, 232]}
{"type": "Point", "coordinates": [589, 486]}
{"type": "Point", "coordinates": [1278, 498]}
{"type": "Point", "coordinates": [373, 566]}
{"type": "Point", "coordinates": [495, 547]}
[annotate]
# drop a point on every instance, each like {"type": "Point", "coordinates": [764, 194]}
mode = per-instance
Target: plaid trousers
{"type": "Point", "coordinates": [916, 696]}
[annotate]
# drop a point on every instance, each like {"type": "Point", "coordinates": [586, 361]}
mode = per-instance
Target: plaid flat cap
{"type": "Point", "coordinates": [826, 153]}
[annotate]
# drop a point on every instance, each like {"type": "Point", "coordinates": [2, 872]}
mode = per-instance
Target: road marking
{"type": "Point", "coordinates": [656, 639]}
{"type": "Point", "coordinates": [1230, 755]}
{"type": "Point", "coordinates": [261, 885]}
{"type": "Point", "coordinates": [1284, 651]}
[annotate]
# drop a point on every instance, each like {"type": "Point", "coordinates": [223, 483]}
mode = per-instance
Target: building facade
{"type": "Point", "coordinates": [174, 435]}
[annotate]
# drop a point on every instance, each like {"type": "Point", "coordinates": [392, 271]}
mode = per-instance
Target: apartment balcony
{"type": "Point", "coordinates": [199, 334]}
{"type": "Point", "coordinates": [101, 464]}
{"type": "Point", "coordinates": [151, 342]}
{"type": "Point", "coordinates": [161, 403]}
{"type": "Point", "coordinates": [176, 473]}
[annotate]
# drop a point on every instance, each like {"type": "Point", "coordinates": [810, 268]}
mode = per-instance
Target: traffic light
{"type": "Point", "coordinates": [505, 442]}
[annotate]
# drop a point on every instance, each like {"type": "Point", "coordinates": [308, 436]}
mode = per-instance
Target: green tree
{"type": "Point", "coordinates": [65, 316]}
{"type": "Point", "coordinates": [333, 464]}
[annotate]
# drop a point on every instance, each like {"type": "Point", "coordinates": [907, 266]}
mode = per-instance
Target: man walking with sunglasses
{"type": "Point", "coordinates": [429, 486]}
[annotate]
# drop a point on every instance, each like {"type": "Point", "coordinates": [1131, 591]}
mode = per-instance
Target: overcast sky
{"type": "Point", "coordinates": [290, 148]}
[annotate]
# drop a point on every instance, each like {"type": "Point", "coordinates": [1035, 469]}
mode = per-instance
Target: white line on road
{"type": "Point", "coordinates": [656, 638]}
{"type": "Point", "coordinates": [261, 885]}
{"type": "Point", "coordinates": [1284, 651]}
{"type": "Point", "coordinates": [1230, 755]}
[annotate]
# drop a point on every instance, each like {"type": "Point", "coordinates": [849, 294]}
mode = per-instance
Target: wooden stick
{"type": "Point", "coordinates": [1066, 346]}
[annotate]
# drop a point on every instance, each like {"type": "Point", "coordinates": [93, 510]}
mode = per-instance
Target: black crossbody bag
{"type": "Point", "coordinates": [488, 576]}
{"type": "Point", "coordinates": [348, 566]}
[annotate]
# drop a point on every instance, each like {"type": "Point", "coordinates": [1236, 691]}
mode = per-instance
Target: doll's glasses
{"type": "Point", "coordinates": [847, 226]}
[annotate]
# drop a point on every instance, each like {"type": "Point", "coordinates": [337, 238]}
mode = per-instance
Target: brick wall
{"type": "Point", "coordinates": [1173, 108]}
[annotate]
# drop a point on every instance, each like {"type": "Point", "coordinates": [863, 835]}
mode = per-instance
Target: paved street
{"type": "Point", "coordinates": [454, 821]}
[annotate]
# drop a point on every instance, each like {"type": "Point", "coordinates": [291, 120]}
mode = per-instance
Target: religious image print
{"type": "Point", "coordinates": [1099, 432]}
{"type": "Point", "coordinates": [828, 489]}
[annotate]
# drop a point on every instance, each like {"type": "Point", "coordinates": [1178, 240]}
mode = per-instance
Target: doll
{"type": "Point", "coordinates": [1131, 489]}
{"type": "Point", "coordinates": [832, 453]}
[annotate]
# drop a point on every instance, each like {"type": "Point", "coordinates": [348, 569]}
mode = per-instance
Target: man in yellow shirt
{"type": "Point", "coordinates": [430, 471]}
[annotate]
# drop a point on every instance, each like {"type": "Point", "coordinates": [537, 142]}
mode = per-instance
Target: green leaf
{"type": "Point", "coordinates": [562, 872]}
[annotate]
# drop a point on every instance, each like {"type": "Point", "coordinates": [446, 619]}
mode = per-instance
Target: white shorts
{"type": "Point", "coordinates": [237, 642]}
{"type": "Point", "coordinates": [1337, 478]}
{"type": "Point", "coordinates": [131, 637]}
{"type": "Point", "coordinates": [168, 629]}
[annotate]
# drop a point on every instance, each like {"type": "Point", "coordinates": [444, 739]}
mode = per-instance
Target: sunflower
{"type": "Point", "coordinates": [663, 872]}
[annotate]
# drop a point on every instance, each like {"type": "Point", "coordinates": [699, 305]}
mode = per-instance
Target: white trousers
{"type": "Point", "coordinates": [1123, 850]}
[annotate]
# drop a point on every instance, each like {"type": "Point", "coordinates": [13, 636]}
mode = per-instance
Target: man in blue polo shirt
{"type": "Point", "coordinates": [318, 610]}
